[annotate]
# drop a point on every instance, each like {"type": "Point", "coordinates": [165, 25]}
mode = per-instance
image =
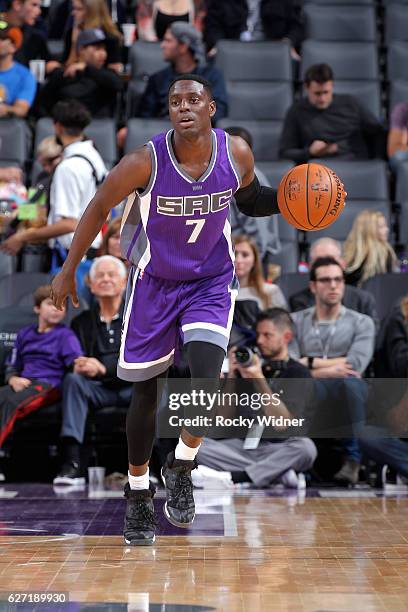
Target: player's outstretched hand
{"type": "Point", "coordinates": [62, 287]}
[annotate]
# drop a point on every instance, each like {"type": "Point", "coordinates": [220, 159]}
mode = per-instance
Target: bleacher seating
{"type": "Point", "coordinates": [17, 289]}
{"type": "Point", "coordinates": [145, 58]}
{"type": "Point", "coordinates": [396, 22]}
{"type": "Point", "coordinates": [101, 131]}
{"type": "Point", "coordinates": [141, 131]}
{"type": "Point", "coordinates": [259, 61]}
{"type": "Point", "coordinates": [259, 100]}
{"type": "Point", "coordinates": [15, 142]}
{"type": "Point", "coordinates": [334, 23]}
{"type": "Point", "coordinates": [386, 289]}
{"type": "Point", "coordinates": [265, 135]}
{"type": "Point", "coordinates": [349, 61]}
{"type": "Point", "coordinates": [368, 93]}
{"type": "Point", "coordinates": [397, 61]}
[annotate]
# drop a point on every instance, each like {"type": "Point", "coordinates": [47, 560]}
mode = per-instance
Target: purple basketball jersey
{"type": "Point", "coordinates": [178, 228]}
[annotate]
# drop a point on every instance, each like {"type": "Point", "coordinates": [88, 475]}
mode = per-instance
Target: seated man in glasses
{"type": "Point", "coordinates": [337, 344]}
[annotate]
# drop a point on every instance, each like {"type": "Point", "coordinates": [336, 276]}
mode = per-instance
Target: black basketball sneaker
{"type": "Point", "coordinates": [179, 508]}
{"type": "Point", "coordinates": [140, 524]}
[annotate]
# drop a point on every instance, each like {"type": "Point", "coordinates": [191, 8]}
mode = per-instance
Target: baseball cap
{"type": "Point", "coordinates": [186, 33]}
{"type": "Point", "coordinates": [92, 36]}
{"type": "Point", "coordinates": [11, 32]}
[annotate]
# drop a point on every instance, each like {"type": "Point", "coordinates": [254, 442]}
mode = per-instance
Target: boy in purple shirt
{"type": "Point", "coordinates": [40, 357]}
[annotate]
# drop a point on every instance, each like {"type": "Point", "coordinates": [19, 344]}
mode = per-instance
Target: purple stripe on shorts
{"type": "Point", "coordinates": [135, 237]}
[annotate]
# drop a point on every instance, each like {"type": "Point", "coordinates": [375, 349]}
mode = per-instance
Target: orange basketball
{"type": "Point", "coordinates": [311, 196]}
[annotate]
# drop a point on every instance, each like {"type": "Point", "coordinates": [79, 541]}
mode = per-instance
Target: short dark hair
{"type": "Point", "coordinates": [72, 115]}
{"type": "Point", "coordinates": [279, 316]}
{"type": "Point", "coordinates": [320, 73]}
{"type": "Point", "coordinates": [41, 293]}
{"type": "Point", "coordinates": [193, 77]}
{"type": "Point", "coordinates": [236, 130]}
{"type": "Point", "coordinates": [323, 261]}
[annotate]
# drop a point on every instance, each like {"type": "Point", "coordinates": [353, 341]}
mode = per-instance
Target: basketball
{"type": "Point", "coordinates": [311, 197]}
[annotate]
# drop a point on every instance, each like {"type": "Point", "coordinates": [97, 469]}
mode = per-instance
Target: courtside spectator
{"type": "Point", "coordinates": [182, 47]}
{"type": "Point", "coordinates": [93, 383]}
{"type": "Point", "coordinates": [353, 297]}
{"type": "Point", "coordinates": [41, 356]}
{"type": "Point", "coordinates": [250, 20]}
{"type": "Point", "coordinates": [89, 14]}
{"type": "Point", "coordinates": [397, 144]}
{"type": "Point", "coordinates": [337, 345]}
{"type": "Point", "coordinates": [327, 125]}
{"type": "Point", "coordinates": [258, 457]}
{"type": "Point", "coordinates": [88, 81]}
{"type": "Point", "coordinates": [73, 185]}
{"type": "Point", "coordinates": [17, 84]}
{"type": "Point", "coordinates": [367, 251]}
{"type": "Point", "coordinates": [24, 14]}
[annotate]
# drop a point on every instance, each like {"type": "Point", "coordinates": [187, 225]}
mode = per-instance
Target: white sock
{"type": "Point", "coordinates": [139, 482]}
{"type": "Point", "coordinates": [184, 452]}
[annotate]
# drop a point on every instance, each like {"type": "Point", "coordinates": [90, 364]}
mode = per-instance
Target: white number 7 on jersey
{"type": "Point", "coordinates": [199, 224]}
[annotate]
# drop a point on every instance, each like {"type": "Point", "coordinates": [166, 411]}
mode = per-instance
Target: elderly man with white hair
{"type": "Point", "coordinates": [93, 382]}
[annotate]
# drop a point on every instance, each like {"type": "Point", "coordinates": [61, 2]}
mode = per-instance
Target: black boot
{"type": "Point", "coordinates": [179, 508]}
{"type": "Point", "coordinates": [140, 524]}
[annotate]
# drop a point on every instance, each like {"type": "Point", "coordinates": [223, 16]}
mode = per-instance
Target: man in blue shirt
{"type": "Point", "coordinates": [17, 84]}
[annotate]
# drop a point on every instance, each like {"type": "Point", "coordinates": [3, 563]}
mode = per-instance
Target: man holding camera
{"type": "Point", "coordinates": [266, 370]}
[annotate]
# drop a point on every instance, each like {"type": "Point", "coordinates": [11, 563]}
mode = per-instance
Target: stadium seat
{"type": "Point", "coordinates": [15, 142]}
{"type": "Point", "coordinates": [287, 233]}
{"type": "Point", "coordinates": [396, 22]}
{"type": "Point", "coordinates": [134, 95]}
{"type": "Point", "coordinates": [287, 258]}
{"type": "Point", "coordinates": [386, 289]}
{"type": "Point", "coordinates": [101, 131]}
{"type": "Point", "coordinates": [275, 170]}
{"type": "Point", "coordinates": [363, 180]}
{"type": "Point", "coordinates": [265, 135]}
{"type": "Point", "coordinates": [335, 23]}
{"type": "Point", "coordinates": [292, 283]}
{"type": "Point", "coordinates": [340, 229]}
{"type": "Point", "coordinates": [145, 58]}
{"type": "Point", "coordinates": [340, 2]}
{"type": "Point", "coordinates": [141, 131]}
{"type": "Point", "coordinates": [368, 93]}
{"type": "Point", "coordinates": [257, 61]}
{"type": "Point", "coordinates": [259, 101]}
{"type": "Point", "coordinates": [397, 61]}
{"type": "Point", "coordinates": [402, 182]}
{"type": "Point", "coordinates": [12, 319]}
{"type": "Point", "coordinates": [7, 264]}
{"type": "Point", "coordinates": [17, 289]}
{"type": "Point", "coordinates": [349, 61]}
{"type": "Point", "coordinates": [398, 92]}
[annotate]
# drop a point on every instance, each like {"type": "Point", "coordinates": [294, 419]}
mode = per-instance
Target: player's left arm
{"type": "Point", "coordinates": [252, 199]}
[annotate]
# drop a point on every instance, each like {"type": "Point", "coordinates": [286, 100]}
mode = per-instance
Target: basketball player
{"type": "Point", "coordinates": [176, 234]}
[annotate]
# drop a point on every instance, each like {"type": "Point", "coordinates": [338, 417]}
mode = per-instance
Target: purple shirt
{"type": "Point", "coordinates": [178, 228]}
{"type": "Point", "coordinates": [399, 116]}
{"type": "Point", "coordinates": [44, 356]}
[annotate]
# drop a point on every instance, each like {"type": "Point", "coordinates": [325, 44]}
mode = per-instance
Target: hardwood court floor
{"type": "Point", "coordinates": [247, 551]}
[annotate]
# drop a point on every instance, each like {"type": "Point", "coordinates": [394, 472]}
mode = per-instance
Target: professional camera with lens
{"type": "Point", "coordinates": [244, 355]}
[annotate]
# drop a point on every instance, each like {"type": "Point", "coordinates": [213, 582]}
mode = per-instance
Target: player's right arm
{"type": "Point", "coordinates": [252, 199]}
{"type": "Point", "coordinates": [131, 173]}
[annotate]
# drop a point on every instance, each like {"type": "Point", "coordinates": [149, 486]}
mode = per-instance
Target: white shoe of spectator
{"type": "Point", "coordinates": [289, 479]}
{"type": "Point", "coordinates": [207, 478]}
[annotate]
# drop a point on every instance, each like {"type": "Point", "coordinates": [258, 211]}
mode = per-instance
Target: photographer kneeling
{"type": "Point", "coordinates": [256, 456]}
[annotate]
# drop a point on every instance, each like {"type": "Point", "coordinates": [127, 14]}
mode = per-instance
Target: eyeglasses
{"type": "Point", "coordinates": [326, 280]}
